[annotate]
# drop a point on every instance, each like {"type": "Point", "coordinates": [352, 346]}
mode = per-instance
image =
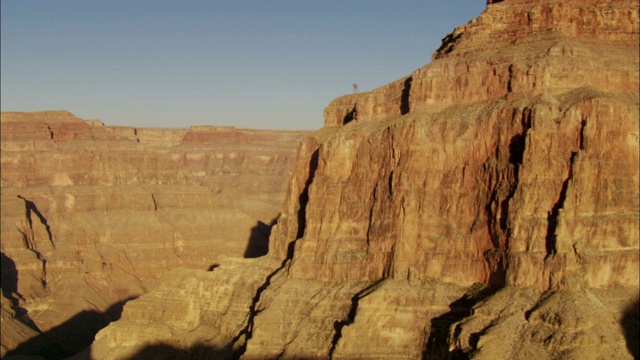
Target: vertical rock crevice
{"type": "Point", "coordinates": [51, 135]}
{"type": "Point", "coordinates": [247, 332]}
{"type": "Point", "coordinates": [30, 207]}
{"type": "Point", "coordinates": [405, 106]}
{"type": "Point", "coordinates": [155, 203]}
{"type": "Point", "coordinates": [339, 325]}
{"type": "Point", "coordinates": [552, 217]}
{"type": "Point", "coordinates": [583, 124]}
{"type": "Point", "coordinates": [28, 235]}
{"type": "Point", "coordinates": [303, 199]}
{"type": "Point", "coordinates": [504, 186]}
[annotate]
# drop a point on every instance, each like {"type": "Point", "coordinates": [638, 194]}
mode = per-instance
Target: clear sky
{"type": "Point", "coordinates": [248, 63]}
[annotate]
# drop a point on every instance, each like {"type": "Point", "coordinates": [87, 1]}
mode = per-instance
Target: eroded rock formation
{"type": "Point", "coordinates": [93, 215]}
{"type": "Point", "coordinates": [486, 206]}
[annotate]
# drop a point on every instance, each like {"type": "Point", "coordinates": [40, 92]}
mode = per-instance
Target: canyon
{"type": "Point", "coordinates": [483, 207]}
{"type": "Point", "coordinates": [94, 215]}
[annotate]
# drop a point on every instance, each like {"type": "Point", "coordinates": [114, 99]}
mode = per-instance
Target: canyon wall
{"type": "Point", "coordinates": [93, 215]}
{"type": "Point", "coordinates": [485, 207]}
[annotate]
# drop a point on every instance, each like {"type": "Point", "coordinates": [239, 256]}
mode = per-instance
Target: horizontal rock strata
{"type": "Point", "coordinates": [93, 215]}
{"type": "Point", "coordinates": [486, 206]}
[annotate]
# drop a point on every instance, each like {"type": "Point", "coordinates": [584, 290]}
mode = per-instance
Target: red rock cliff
{"type": "Point", "coordinates": [510, 160]}
{"type": "Point", "coordinates": [93, 215]}
{"type": "Point", "coordinates": [493, 160]}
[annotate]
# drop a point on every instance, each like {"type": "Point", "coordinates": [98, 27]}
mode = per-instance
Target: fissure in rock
{"type": "Point", "coordinates": [351, 115]}
{"type": "Point", "coordinates": [552, 217]}
{"type": "Point", "coordinates": [497, 210]}
{"type": "Point", "coordinates": [303, 199]}
{"type": "Point", "coordinates": [351, 316]}
{"type": "Point", "coordinates": [30, 207]}
{"type": "Point", "coordinates": [50, 131]}
{"type": "Point", "coordinates": [29, 244]}
{"type": "Point", "coordinates": [583, 124]}
{"type": "Point", "coordinates": [517, 146]}
{"type": "Point", "coordinates": [509, 82]}
{"type": "Point", "coordinates": [247, 331]}
{"type": "Point", "coordinates": [437, 344]}
{"type": "Point", "coordinates": [404, 99]}
{"type": "Point", "coordinates": [391, 257]}
{"type": "Point", "coordinates": [155, 203]}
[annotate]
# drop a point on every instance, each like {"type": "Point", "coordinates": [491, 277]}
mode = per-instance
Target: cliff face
{"type": "Point", "coordinates": [510, 158]}
{"type": "Point", "coordinates": [93, 215]}
{"type": "Point", "coordinates": [488, 201]}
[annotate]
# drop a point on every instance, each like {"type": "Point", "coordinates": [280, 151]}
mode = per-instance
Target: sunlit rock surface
{"type": "Point", "coordinates": [93, 215]}
{"type": "Point", "coordinates": [485, 207]}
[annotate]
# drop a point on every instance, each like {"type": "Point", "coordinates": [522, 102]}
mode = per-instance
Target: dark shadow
{"type": "Point", "coordinates": [9, 279]}
{"type": "Point", "coordinates": [552, 216]}
{"type": "Point", "coordinates": [163, 351]}
{"type": "Point", "coordinates": [30, 207]}
{"type": "Point", "coordinates": [351, 316]}
{"type": "Point", "coordinates": [303, 199]}
{"type": "Point", "coordinates": [258, 244]}
{"type": "Point", "coordinates": [71, 337]}
{"type": "Point", "coordinates": [213, 267]}
{"type": "Point", "coordinates": [447, 45]}
{"type": "Point", "coordinates": [245, 334]}
{"type": "Point", "coordinates": [9, 286]}
{"type": "Point", "coordinates": [497, 261]}
{"type": "Point", "coordinates": [404, 100]}
{"type": "Point", "coordinates": [583, 124]}
{"type": "Point", "coordinates": [630, 324]}
{"type": "Point", "coordinates": [351, 115]}
{"type": "Point", "coordinates": [437, 346]}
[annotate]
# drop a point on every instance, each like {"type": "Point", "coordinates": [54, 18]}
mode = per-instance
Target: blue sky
{"type": "Point", "coordinates": [247, 63]}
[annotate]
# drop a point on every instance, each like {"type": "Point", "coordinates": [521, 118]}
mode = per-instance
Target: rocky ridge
{"type": "Point", "coordinates": [93, 215]}
{"type": "Point", "coordinates": [484, 207]}
{"type": "Point", "coordinates": [486, 202]}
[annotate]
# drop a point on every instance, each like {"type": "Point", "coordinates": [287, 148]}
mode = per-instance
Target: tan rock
{"type": "Point", "coordinates": [511, 160]}
{"type": "Point", "coordinates": [93, 215]}
{"type": "Point", "coordinates": [189, 308]}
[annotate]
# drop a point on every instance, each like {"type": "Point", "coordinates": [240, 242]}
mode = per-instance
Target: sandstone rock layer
{"type": "Point", "coordinates": [93, 215]}
{"type": "Point", "coordinates": [486, 206]}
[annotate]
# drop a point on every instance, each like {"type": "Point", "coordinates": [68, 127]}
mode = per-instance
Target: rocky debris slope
{"type": "Point", "coordinates": [486, 206]}
{"type": "Point", "coordinates": [93, 215]}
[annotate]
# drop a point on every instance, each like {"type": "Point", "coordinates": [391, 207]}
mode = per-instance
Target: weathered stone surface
{"type": "Point", "coordinates": [93, 215]}
{"type": "Point", "coordinates": [519, 323]}
{"type": "Point", "coordinates": [189, 308]}
{"type": "Point", "coordinates": [487, 202]}
{"type": "Point", "coordinates": [518, 47]}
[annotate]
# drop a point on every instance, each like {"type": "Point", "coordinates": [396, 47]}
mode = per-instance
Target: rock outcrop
{"type": "Point", "coordinates": [486, 206]}
{"type": "Point", "coordinates": [93, 215]}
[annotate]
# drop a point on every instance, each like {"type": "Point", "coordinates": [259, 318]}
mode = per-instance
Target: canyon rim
{"type": "Point", "coordinates": [486, 206]}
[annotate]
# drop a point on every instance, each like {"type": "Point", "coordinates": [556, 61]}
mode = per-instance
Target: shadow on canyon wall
{"type": "Point", "coordinates": [163, 351]}
{"type": "Point", "coordinates": [630, 324]}
{"type": "Point", "coordinates": [258, 244]}
{"type": "Point", "coordinates": [9, 286]}
{"type": "Point", "coordinates": [8, 276]}
{"type": "Point", "coordinates": [72, 336]}
{"type": "Point", "coordinates": [437, 346]}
